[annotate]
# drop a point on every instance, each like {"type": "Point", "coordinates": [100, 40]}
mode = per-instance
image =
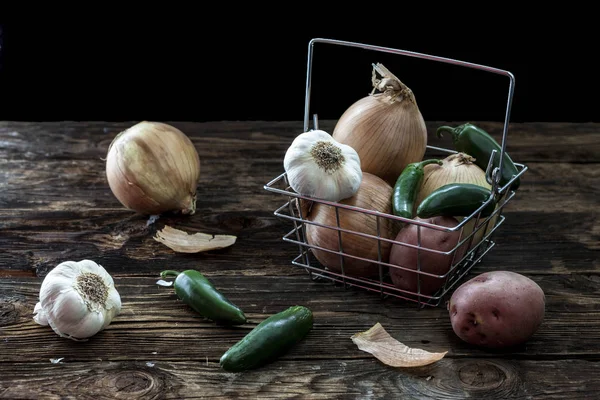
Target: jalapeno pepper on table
{"type": "Point", "coordinates": [476, 142]}
{"type": "Point", "coordinates": [201, 295]}
{"type": "Point", "coordinates": [406, 188]}
{"type": "Point", "coordinates": [269, 340]}
{"type": "Point", "coordinates": [456, 200]}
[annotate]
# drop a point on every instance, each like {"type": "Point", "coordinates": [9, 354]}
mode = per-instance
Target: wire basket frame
{"type": "Point", "coordinates": [474, 232]}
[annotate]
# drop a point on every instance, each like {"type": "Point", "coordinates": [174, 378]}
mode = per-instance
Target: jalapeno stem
{"type": "Point", "coordinates": [169, 272]}
{"type": "Point", "coordinates": [445, 129]}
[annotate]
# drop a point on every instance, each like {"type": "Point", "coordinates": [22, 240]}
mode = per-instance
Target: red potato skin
{"type": "Point", "coordinates": [438, 264]}
{"type": "Point", "coordinates": [497, 309]}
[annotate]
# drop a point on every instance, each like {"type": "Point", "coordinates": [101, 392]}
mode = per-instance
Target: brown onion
{"type": "Point", "coordinates": [386, 129]}
{"type": "Point", "coordinates": [373, 194]}
{"type": "Point", "coordinates": [456, 168]}
{"type": "Point", "coordinates": [153, 168]}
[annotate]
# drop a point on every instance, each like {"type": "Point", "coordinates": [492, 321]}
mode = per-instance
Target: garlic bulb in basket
{"type": "Point", "coordinates": [153, 168]}
{"type": "Point", "coordinates": [77, 300]}
{"type": "Point", "coordinates": [320, 167]}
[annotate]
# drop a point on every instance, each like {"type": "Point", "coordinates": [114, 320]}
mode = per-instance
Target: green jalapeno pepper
{"type": "Point", "coordinates": [406, 188]}
{"type": "Point", "coordinates": [200, 294]}
{"type": "Point", "coordinates": [269, 340]}
{"type": "Point", "coordinates": [471, 139]}
{"type": "Point", "coordinates": [456, 200]}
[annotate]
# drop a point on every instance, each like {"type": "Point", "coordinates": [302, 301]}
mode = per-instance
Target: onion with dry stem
{"type": "Point", "coordinates": [386, 129]}
{"type": "Point", "coordinates": [373, 194]}
{"type": "Point", "coordinates": [153, 168]}
{"type": "Point", "coordinates": [456, 168]}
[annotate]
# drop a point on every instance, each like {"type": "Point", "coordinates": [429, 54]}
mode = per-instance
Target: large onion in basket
{"type": "Point", "coordinates": [374, 194]}
{"type": "Point", "coordinates": [386, 129]}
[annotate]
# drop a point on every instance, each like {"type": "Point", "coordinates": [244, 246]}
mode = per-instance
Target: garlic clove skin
{"type": "Point", "coordinates": [87, 326]}
{"type": "Point", "coordinates": [40, 315]}
{"type": "Point", "coordinates": [77, 300]}
{"type": "Point", "coordinates": [318, 166]}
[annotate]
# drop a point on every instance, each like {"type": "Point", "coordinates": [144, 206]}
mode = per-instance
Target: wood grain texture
{"type": "Point", "coordinates": [153, 318]}
{"type": "Point", "coordinates": [448, 379]}
{"type": "Point", "coordinates": [55, 205]}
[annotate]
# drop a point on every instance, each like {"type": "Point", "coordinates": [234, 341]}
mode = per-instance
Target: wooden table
{"type": "Point", "coordinates": [55, 205]}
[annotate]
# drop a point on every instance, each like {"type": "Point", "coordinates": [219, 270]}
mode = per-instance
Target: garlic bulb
{"type": "Point", "coordinates": [386, 129]}
{"type": "Point", "coordinates": [77, 300]}
{"type": "Point", "coordinates": [153, 168]}
{"type": "Point", "coordinates": [320, 167]}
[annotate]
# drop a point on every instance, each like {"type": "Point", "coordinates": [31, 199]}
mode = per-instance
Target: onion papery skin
{"type": "Point", "coordinates": [153, 168]}
{"type": "Point", "coordinates": [456, 168]}
{"type": "Point", "coordinates": [387, 135]}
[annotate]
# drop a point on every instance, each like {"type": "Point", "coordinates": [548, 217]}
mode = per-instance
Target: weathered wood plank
{"type": "Point", "coordinates": [37, 241]}
{"type": "Point", "coordinates": [487, 378]}
{"type": "Point", "coordinates": [153, 320]}
{"type": "Point", "coordinates": [238, 186]}
{"type": "Point", "coordinates": [126, 241]}
{"type": "Point", "coordinates": [527, 142]}
{"type": "Point", "coordinates": [55, 205]}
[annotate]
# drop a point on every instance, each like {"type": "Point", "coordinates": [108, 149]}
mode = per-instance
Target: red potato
{"type": "Point", "coordinates": [434, 263]}
{"type": "Point", "coordinates": [497, 309]}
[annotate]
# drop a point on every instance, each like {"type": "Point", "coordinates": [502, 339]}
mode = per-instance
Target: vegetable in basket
{"type": "Point", "coordinates": [457, 168]}
{"type": "Point", "coordinates": [320, 167]}
{"type": "Point", "coordinates": [407, 186]}
{"type": "Point", "coordinates": [456, 200]}
{"type": "Point", "coordinates": [374, 194]}
{"type": "Point", "coordinates": [430, 258]}
{"type": "Point", "coordinates": [386, 128]}
{"type": "Point", "coordinates": [200, 294]}
{"type": "Point", "coordinates": [473, 140]}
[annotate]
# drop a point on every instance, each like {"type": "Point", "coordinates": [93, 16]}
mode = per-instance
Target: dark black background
{"type": "Point", "coordinates": [255, 68]}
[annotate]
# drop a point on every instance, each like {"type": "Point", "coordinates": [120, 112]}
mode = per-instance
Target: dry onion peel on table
{"type": "Point", "coordinates": [392, 352]}
{"type": "Point", "coordinates": [183, 242]}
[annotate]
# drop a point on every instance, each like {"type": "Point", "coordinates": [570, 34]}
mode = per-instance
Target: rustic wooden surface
{"type": "Point", "coordinates": [55, 205]}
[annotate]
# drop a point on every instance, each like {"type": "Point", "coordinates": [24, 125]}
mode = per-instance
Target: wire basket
{"type": "Point", "coordinates": [474, 232]}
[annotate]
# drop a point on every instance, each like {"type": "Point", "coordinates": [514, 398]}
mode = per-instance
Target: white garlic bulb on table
{"type": "Point", "coordinates": [318, 166]}
{"type": "Point", "coordinates": [77, 300]}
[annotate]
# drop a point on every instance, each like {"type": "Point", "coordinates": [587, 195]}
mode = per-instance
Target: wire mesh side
{"type": "Point", "coordinates": [477, 243]}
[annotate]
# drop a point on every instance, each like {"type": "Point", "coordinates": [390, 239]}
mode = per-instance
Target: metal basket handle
{"type": "Point", "coordinates": [497, 172]}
